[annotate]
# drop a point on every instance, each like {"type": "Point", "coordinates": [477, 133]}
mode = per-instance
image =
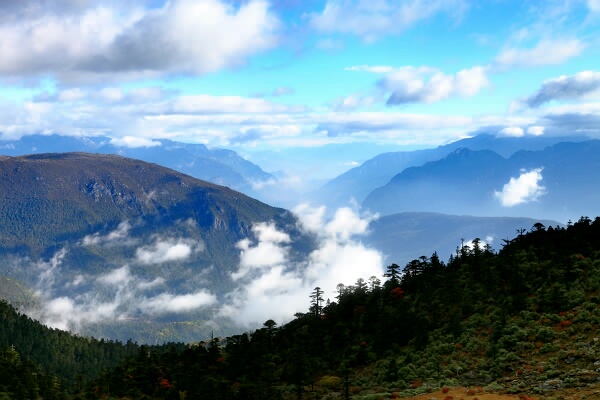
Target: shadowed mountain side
{"type": "Point", "coordinates": [407, 236]}
{"type": "Point", "coordinates": [358, 182]}
{"type": "Point", "coordinates": [484, 183]}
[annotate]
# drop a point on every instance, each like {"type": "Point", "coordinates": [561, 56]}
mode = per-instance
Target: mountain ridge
{"type": "Point", "coordinates": [474, 182]}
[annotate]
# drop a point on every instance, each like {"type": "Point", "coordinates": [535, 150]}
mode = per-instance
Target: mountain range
{"type": "Point", "coordinates": [357, 183]}
{"type": "Point", "coordinates": [221, 166]}
{"type": "Point", "coordinates": [117, 247]}
{"type": "Point", "coordinates": [559, 182]}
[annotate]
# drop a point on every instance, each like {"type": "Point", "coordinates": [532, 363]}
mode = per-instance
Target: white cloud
{"type": "Point", "coordinates": [74, 94]}
{"type": "Point", "coordinates": [118, 237]}
{"type": "Point", "coordinates": [134, 142]}
{"type": "Point", "coordinates": [535, 130]}
{"type": "Point", "coordinates": [112, 296]}
{"type": "Point", "coordinates": [594, 5]}
{"type": "Point", "coordinates": [125, 40]}
{"type": "Point", "coordinates": [143, 285]}
{"type": "Point", "coordinates": [269, 252]}
{"type": "Point", "coordinates": [377, 69]}
{"type": "Point", "coordinates": [169, 303]}
{"type": "Point", "coordinates": [353, 102]}
{"type": "Point", "coordinates": [279, 288]}
{"type": "Point", "coordinates": [512, 131]}
{"type": "Point", "coordinates": [579, 86]}
{"type": "Point", "coordinates": [372, 19]}
{"type": "Point", "coordinates": [428, 85]}
{"type": "Point", "coordinates": [118, 277]}
{"type": "Point", "coordinates": [546, 52]}
{"type": "Point", "coordinates": [524, 189]}
{"type": "Point", "coordinates": [167, 250]}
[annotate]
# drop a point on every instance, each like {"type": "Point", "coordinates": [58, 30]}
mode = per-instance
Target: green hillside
{"type": "Point", "coordinates": [520, 321]}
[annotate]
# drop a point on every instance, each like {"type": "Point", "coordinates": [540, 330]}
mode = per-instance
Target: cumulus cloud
{"type": "Point", "coordinates": [428, 85]}
{"type": "Point", "coordinates": [280, 287]}
{"type": "Point", "coordinates": [269, 252]}
{"type": "Point", "coordinates": [167, 250]}
{"type": "Point", "coordinates": [524, 189]}
{"type": "Point", "coordinates": [546, 52]}
{"type": "Point", "coordinates": [371, 20]}
{"type": "Point", "coordinates": [122, 38]}
{"type": "Point", "coordinates": [564, 87]}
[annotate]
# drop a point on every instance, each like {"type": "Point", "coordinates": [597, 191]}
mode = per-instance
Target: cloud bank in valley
{"type": "Point", "coordinates": [271, 281]}
{"type": "Point", "coordinates": [273, 286]}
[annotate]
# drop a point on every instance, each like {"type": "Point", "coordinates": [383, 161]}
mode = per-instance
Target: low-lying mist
{"type": "Point", "coordinates": [267, 283]}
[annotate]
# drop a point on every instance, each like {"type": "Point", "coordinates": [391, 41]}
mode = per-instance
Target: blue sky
{"type": "Point", "coordinates": [309, 88]}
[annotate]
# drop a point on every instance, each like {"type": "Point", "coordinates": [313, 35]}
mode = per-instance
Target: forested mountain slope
{"type": "Point", "coordinates": [122, 240]}
{"type": "Point", "coordinates": [522, 320]}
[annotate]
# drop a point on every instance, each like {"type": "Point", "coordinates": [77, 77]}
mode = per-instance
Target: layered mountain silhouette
{"type": "Point", "coordinates": [220, 166]}
{"type": "Point", "coordinates": [469, 182]}
{"type": "Point", "coordinates": [358, 182]}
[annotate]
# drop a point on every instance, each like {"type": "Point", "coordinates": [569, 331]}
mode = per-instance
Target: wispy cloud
{"type": "Point", "coordinates": [574, 87]}
{"type": "Point", "coordinates": [115, 295]}
{"type": "Point", "coordinates": [118, 237]}
{"type": "Point", "coordinates": [169, 303]}
{"type": "Point", "coordinates": [523, 189]}
{"type": "Point", "coordinates": [371, 20]}
{"type": "Point", "coordinates": [545, 52]}
{"type": "Point", "coordinates": [427, 85]}
{"type": "Point", "coordinates": [167, 250]}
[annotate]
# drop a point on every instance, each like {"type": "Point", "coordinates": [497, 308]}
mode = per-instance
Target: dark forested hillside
{"type": "Point", "coordinates": [520, 320]}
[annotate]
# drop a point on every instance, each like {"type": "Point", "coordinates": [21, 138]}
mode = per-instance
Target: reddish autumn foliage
{"type": "Point", "coordinates": [448, 398]}
{"type": "Point", "coordinates": [565, 324]}
{"type": "Point", "coordinates": [164, 383]}
{"type": "Point", "coordinates": [417, 384]}
{"type": "Point", "coordinates": [470, 392]}
{"type": "Point", "coordinates": [445, 390]}
{"type": "Point", "coordinates": [397, 293]}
